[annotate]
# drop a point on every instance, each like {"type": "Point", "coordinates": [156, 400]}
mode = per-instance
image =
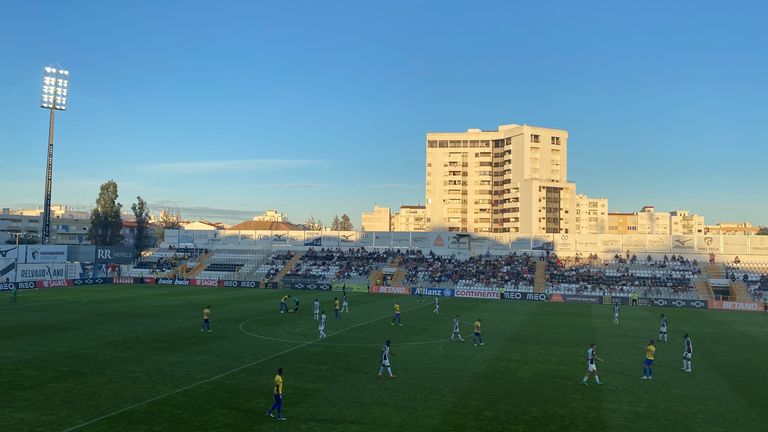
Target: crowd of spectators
{"type": "Point", "coordinates": [165, 260]}
{"type": "Point", "coordinates": [336, 264]}
{"type": "Point", "coordinates": [667, 277]}
{"type": "Point", "coordinates": [483, 271]}
{"type": "Point", "coordinates": [754, 276]}
{"type": "Point", "coordinates": [276, 262]}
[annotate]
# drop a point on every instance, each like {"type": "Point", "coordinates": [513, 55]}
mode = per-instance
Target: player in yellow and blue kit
{"type": "Point", "coordinates": [284, 304]}
{"type": "Point", "coordinates": [478, 334]}
{"type": "Point", "coordinates": [278, 405]}
{"type": "Point", "coordinates": [396, 315]}
{"type": "Point", "coordinates": [206, 319]}
{"type": "Point", "coordinates": [336, 308]}
{"type": "Point", "coordinates": [650, 350]}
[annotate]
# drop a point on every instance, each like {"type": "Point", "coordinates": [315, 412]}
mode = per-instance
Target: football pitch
{"type": "Point", "coordinates": [132, 358]}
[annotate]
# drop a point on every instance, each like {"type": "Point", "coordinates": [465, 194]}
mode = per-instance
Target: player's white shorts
{"type": "Point", "coordinates": [616, 315]}
{"type": "Point", "coordinates": [321, 328]}
{"type": "Point", "coordinates": [687, 355]}
{"type": "Point", "coordinates": [385, 363]}
{"type": "Point", "coordinates": [591, 367]}
{"type": "Point", "coordinates": [663, 330]}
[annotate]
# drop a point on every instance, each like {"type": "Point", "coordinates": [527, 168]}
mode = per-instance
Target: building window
{"type": "Point", "coordinates": [535, 138]}
{"type": "Point", "coordinates": [555, 140]}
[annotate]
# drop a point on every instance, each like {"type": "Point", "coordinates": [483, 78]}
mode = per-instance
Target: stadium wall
{"type": "Point", "coordinates": [448, 243]}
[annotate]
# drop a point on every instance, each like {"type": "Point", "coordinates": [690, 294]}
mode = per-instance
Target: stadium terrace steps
{"type": "Point", "coordinates": [376, 277]}
{"type": "Point", "coordinates": [740, 292]}
{"type": "Point", "coordinates": [703, 289]}
{"type": "Point", "coordinates": [715, 271]}
{"type": "Point", "coordinates": [399, 276]}
{"type": "Point", "coordinates": [540, 281]}
{"type": "Point", "coordinates": [288, 267]}
{"type": "Point", "coordinates": [202, 263]}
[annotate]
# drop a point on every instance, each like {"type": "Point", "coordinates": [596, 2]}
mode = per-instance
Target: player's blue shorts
{"type": "Point", "coordinates": [648, 362]}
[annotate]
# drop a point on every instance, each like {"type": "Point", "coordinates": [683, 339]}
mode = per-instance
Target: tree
{"type": "Point", "coordinates": [312, 225]}
{"type": "Point", "coordinates": [24, 240]}
{"type": "Point", "coordinates": [170, 220]}
{"type": "Point", "coordinates": [141, 234]}
{"type": "Point", "coordinates": [346, 223]}
{"type": "Point", "coordinates": [763, 231]}
{"type": "Point", "coordinates": [336, 224]}
{"type": "Point", "coordinates": [106, 222]}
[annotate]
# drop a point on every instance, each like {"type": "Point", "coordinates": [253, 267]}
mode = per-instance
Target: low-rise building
{"type": "Point", "coordinates": [271, 215]}
{"type": "Point", "coordinates": [737, 228]}
{"type": "Point", "coordinates": [682, 222]}
{"type": "Point", "coordinates": [377, 220]}
{"type": "Point", "coordinates": [409, 218]}
{"type": "Point", "coordinates": [590, 215]}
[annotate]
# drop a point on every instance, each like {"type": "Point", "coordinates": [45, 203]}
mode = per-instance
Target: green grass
{"type": "Point", "coordinates": [72, 355]}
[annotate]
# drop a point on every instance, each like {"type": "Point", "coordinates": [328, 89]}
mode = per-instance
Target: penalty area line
{"type": "Point", "coordinates": [221, 375]}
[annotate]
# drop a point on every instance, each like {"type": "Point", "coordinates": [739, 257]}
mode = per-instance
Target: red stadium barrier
{"type": "Point", "coordinates": [390, 289]}
{"type": "Point", "coordinates": [738, 306]}
{"type": "Point", "coordinates": [206, 282]}
{"type": "Point", "coordinates": [54, 283]}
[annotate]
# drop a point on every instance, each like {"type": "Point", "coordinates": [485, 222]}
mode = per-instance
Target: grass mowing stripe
{"type": "Point", "coordinates": [229, 372]}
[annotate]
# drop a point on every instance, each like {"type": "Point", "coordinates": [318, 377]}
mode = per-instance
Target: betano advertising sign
{"type": "Point", "coordinates": [376, 289]}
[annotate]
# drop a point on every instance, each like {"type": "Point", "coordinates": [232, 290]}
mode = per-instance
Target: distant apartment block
{"type": "Point", "coordinates": [591, 215]}
{"type": "Point", "coordinates": [737, 228]}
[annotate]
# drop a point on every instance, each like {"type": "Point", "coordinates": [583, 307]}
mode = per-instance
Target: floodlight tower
{"type": "Point", "coordinates": [54, 97]}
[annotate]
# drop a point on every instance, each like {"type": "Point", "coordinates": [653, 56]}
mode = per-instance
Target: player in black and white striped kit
{"type": "Point", "coordinates": [663, 329]}
{"type": "Point", "coordinates": [687, 353]}
{"type": "Point", "coordinates": [616, 313]}
{"type": "Point", "coordinates": [591, 366]}
{"type": "Point", "coordinates": [456, 331]}
{"type": "Point", "coordinates": [385, 361]}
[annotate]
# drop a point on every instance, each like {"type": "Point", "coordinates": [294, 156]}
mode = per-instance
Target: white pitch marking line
{"type": "Point", "coordinates": [327, 344]}
{"type": "Point", "coordinates": [223, 374]}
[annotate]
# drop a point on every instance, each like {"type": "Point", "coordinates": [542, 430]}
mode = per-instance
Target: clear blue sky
{"type": "Point", "coordinates": [321, 107]}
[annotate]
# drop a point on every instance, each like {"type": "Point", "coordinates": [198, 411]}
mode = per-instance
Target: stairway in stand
{"type": "Point", "coordinates": [288, 267]}
{"type": "Point", "coordinates": [202, 263]}
{"type": "Point", "coordinates": [740, 291]}
{"type": "Point", "coordinates": [540, 281]}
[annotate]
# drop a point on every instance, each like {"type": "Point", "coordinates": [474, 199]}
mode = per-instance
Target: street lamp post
{"type": "Point", "coordinates": [54, 97]}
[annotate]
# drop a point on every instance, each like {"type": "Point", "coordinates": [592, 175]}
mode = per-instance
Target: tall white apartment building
{"type": "Point", "coordinates": [513, 179]}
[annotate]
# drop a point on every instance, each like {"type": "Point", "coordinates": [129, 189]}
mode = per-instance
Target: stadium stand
{"type": "Point", "coordinates": [668, 277]}
{"type": "Point", "coordinates": [754, 275]}
{"type": "Point", "coordinates": [163, 260]}
{"type": "Point", "coordinates": [485, 272]}
{"type": "Point", "coordinates": [235, 264]}
{"type": "Point", "coordinates": [341, 264]}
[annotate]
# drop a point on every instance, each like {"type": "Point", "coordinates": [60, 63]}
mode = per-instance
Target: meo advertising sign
{"type": "Point", "coordinates": [8, 286]}
{"type": "Point", "coordinates": [239, 284]}
{"type": "Point", "coordinates": [515, 295]}
{"type": "Point", "coordinates": [470, 293]}
{"type": "Point", "coordinates": [390, 290]}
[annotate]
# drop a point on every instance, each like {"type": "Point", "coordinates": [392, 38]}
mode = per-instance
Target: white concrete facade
{"type": "Point", "coordinates": [511, 180]}
{"type": "Point", "coordinates": [591, 215]}
{"type": "Point", "coordinates": [377, 220]}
